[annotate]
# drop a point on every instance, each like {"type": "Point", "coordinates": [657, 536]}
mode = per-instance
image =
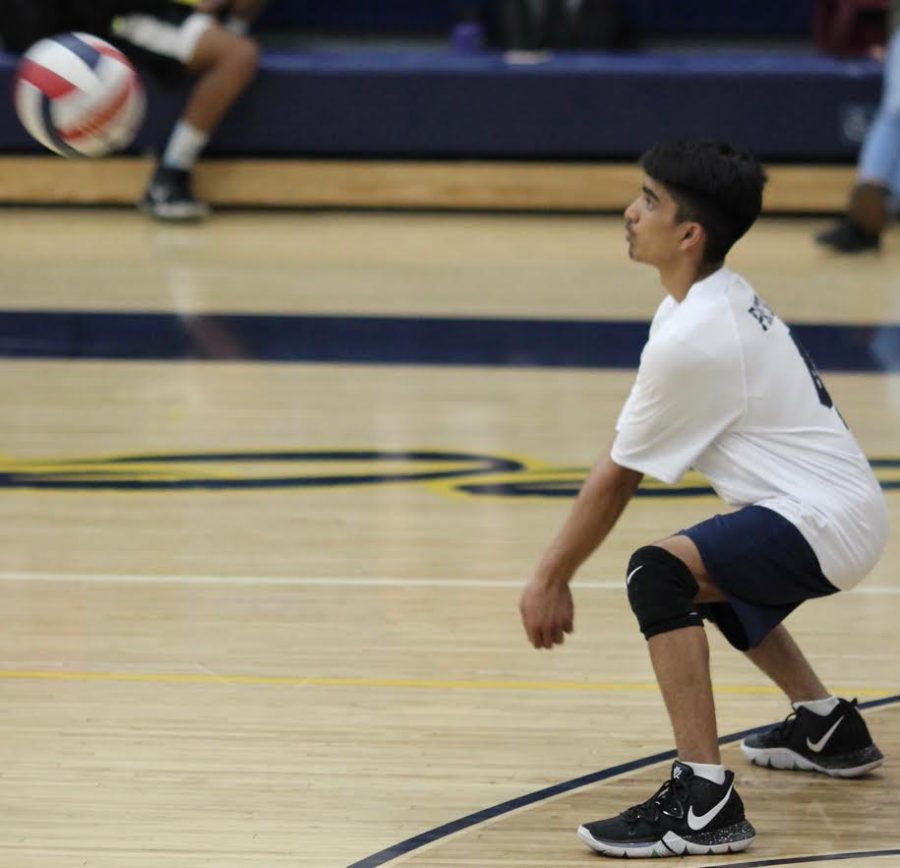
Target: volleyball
{"type": "Point", "coordinates": [78, 95]}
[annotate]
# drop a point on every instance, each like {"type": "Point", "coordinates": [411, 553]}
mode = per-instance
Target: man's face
{"type": "Point", "coordinates": [653, 233]}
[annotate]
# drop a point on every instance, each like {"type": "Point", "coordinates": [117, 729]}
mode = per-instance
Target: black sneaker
{"type": "Point", "coordinates": [687, 815]}
{"type": "Point", "coordinates": [169, 197]}
{"type": "Point", "coordinates": [838, 745]}
{"type": "Point", "coordinates": [847, 236]}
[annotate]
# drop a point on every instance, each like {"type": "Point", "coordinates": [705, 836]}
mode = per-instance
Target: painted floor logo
{"type": "Point", "coordinates": [464, 473]}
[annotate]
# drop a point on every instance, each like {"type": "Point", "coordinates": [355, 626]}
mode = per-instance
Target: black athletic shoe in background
{"type": "Point", "coordinates": [169, 197]}
{"type": "Point", "coordinates": [838, 745]}
{"type": "Point", "coordinates": [687, 815]}
{"type": "Point", "coordinates": [847, 236]}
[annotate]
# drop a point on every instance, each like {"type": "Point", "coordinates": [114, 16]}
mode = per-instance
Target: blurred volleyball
{"type": "Point", "coordinates": [78, 95]}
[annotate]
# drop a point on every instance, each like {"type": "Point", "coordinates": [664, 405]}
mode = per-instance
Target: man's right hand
{"type": "Point", "coordinates": [548, 612]}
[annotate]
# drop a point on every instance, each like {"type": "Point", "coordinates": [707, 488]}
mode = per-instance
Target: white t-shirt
{"type": "Point", "coordinates": [722, 387]}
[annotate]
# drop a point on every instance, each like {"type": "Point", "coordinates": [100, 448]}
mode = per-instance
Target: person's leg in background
{"type": "Point", "coordinates": [877, 172]}
{"type": "Point", "coordinates": [894, 201]}
{"type": "Point", "coordinates": [224, 63]}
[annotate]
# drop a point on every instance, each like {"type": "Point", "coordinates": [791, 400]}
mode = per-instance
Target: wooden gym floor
{"type": "Point", "coordinates": [212, 656]}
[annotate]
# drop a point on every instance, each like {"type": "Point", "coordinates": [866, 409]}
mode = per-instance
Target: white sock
{"type": "Point", "coordinates": [822, 707]}
{"type": "Point", "coordinates": [185, 145]}
{"type": "Point", "coordinates": [237, 25]}
{"type": "Point", "coordinates": [709, 771]}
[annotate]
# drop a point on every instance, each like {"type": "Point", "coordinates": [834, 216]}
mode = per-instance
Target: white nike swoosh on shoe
{"type": "Point", "coordinates": [697, 823]}
{"type": "Point", "coordinates": [631, 574]}
{"type": "Point", "coordinates": [819, 746]}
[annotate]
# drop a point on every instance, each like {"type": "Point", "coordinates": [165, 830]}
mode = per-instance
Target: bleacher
{"type": "Point", "coordinates": [744, 72]}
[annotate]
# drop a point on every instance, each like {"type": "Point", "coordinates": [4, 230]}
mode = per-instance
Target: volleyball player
{"type": "Point", "coordinates": [724, 388]}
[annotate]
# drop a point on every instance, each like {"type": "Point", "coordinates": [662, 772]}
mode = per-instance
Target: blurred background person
{"type": "Point", "coordinates": [878, 169]}
{"type": "Point", "coordinates": [206, 39]}
{"type": "Point", "coordinates": [542, 25]}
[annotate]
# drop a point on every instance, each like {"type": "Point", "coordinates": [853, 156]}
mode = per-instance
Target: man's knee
{"type": "Point", "coordinates": [221, 49]}
{"type": "Point", "coordinates": [239, 54]}
{"type": "Point", "coordinates": [246, 54]}
{"type": "Point", "coordinates": [661, 590]}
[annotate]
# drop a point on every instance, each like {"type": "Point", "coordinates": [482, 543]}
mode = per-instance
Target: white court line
{"type": "Point", "coordinates": [282, 581]}
{"type": "Point", "coordinates": [336, 581]}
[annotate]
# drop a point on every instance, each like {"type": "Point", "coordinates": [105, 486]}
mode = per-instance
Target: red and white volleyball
{"type": "Point", "coordinates": [79, 96]}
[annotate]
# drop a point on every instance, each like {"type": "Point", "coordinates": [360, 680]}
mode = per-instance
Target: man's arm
{"type": "Point", "coordinates": [546, 603]}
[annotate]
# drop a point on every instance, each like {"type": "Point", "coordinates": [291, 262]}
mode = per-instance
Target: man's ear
{"type": "Point", "coordinates": [692, 234]}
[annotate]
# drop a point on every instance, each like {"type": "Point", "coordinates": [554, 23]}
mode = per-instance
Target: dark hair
{"type": "Point", "coordinates": [718, 187]}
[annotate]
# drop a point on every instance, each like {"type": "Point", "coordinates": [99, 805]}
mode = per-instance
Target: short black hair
{"type": "Point", "coordinates": [712, 183]}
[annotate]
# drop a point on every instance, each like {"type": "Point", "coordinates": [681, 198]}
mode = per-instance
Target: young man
{"type": "Point", "coordinates": [724, 388]}
{"type": "Point", "coordinates": [205, 38]}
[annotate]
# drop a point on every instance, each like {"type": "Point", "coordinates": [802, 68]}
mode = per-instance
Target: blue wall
{"type": "Point", "coordinates": [586, 106]}
{"type": "Point", "coordinates": [784, 105]}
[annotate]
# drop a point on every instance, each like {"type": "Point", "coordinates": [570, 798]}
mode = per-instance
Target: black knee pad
{"type": "Point", "coordinates": [661, 590]}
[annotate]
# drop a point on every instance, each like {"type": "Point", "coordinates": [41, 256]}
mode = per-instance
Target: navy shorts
{"type": "Point", "coordinates": [763, 565]}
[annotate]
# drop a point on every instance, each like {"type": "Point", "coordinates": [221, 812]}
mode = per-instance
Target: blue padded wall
{"type": "Point", "coordinates": [589, 106]}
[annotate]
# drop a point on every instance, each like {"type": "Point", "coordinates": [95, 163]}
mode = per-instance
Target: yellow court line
{"type": "Point", "coordinates": [415, 683]}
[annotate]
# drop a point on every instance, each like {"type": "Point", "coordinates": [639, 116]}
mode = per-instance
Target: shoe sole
{"type": "Point", "coordinates": [731, 839]}
{"type": "Point", "coordinates": [174, 213]}
{"type": "Point", "coordinates": [787, 760]}
{"type": "Point", "coordinates": [840, 245]}
{"type": "Point", "coordinates": [848, 251]}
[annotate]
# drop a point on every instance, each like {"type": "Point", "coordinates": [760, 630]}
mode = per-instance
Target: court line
{"type": "Point", "coordinates": [339, 581]}
{"type": "Point", "coordinates": [803, 860]}
{"type": "Point", "coordinates": [285, 581]}
{"type": "Point", "coordinates": [213, 678]}
{"type": "Point", "coordinates": [388, 339]}
{"type": "Point", "coordinates": [479, 817]}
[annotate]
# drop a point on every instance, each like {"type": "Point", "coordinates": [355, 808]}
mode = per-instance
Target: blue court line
{"type": "Point", "coordinates": [795, 860]}
{"type": "Point", "coordinates": [389, 340]}
{"type": "Point", "coordinates": [173, 471]}
{"type": "Point", "coordinates": [421, 840]}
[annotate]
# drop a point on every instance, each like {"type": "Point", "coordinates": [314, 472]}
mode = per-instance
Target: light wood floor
{"type": "Point", "coordinates": [307, 676]}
